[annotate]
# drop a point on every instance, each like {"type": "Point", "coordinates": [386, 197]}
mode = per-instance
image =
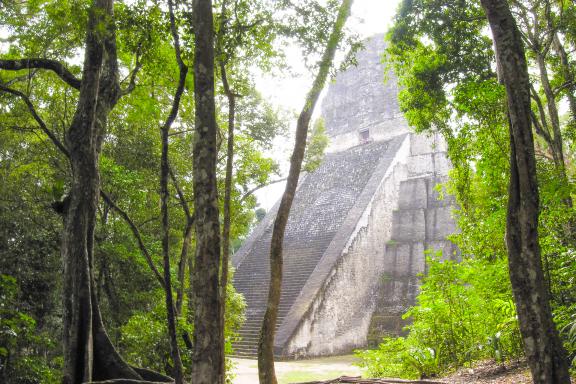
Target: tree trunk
{"type": "Point", "coordinates": [542, 345]}
{"type": "Point", "coordinates": [567, 74]}
{"type": "Point", "coordinates": [227, 214]}
{"type": "Point", "coordinates": [207, 354]}
{"type": "Point", "coordinates": [170, 309]}
{"type": "Point", "coordinates": [266, 371]}
{"type": "Point", "coordinates": [556, 144]}
{"type": "Point", "coordinates": [88, 352]}
{"type": "Point", "coordinates": [164, 195]}
{"type": "Point", "coordinates": [187, 239]}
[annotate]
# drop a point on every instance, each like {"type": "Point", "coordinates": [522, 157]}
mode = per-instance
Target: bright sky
{"type": "Point", "coordinates": [369, 17]}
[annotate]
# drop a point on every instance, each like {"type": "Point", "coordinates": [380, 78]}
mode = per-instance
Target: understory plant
{"type": "Point", "coordinates": [21, 342]}
{"type": "Point", "coordinates": [144, 338]}
{"type": "Point", "coordinates": [464, 313]}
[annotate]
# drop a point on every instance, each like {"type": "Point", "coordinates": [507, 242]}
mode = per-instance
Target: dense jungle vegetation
{"type": "Point", "coordinates": [132, 137]}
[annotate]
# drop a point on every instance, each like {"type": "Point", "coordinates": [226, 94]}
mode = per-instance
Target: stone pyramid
{"type": "Point", "coordinates": [359, 225]}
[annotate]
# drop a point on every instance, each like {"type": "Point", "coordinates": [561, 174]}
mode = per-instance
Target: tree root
{"type": "Point", "coordinates": [152, 376]}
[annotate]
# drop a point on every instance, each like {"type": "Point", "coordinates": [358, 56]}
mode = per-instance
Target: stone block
{"type": "Point", "coordinates": [408, 225]}
{"type": "Point", "coordinates": [421, 165]}
{"type": "Point", "coordinates": [436, 198]}
{"type": "Point", "coordinates": [441, 164]}
{"type": "Point", "coordinates": [421, 144]}
{"type": "Point", "coordinates": [403, 259]}
{"type": "Point", "coordinates": [440, 145]}
{"type": "Point", "coordinates": [400, 287]}
{"type": "Point", "coordinates": [413, 194]}
{"type": "Point", "coordinates": [418, 259]}
{"type": "Point", "coordinates": [439, 223]}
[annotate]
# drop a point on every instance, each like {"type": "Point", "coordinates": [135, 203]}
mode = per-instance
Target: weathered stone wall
{"type": "Point", "coordinates": [326, 209]}
{"type": "Point", "coordinates": [337, 320]}
{"type": "Point", "coordinates": [420, 224]}
{"type": "Point", "coordinates": [364, 97]}
{"type": "Point", "coordinates": [382, 131]}
{"type": "Point", "coordinates": [376, 277]}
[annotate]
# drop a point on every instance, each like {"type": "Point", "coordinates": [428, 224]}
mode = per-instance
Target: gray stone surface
{"type": "Point", "coordinates": [439, 223]}
{"type": "Point", "coordinates": [322, 204]}
{"type": "Point", "coordinates": [354, 99]}
{"type": "Point", "coordinates": [421, 224]}
{"type": "Point", "coordinates": [437, 194]}
{"type": "Point", "coordinates": [333, 312]}
{"type": "Point", "coordinates": [413, 194]}
{"type": "Point", "coordinates": [421, 165]}
{"type": "Point", "coordinates": [409, 225]}
{"type": "Point", "coordinates": [364, 97]}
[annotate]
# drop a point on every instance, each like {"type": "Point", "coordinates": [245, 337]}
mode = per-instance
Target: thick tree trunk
{"type": "Point", "coordinates": [207, 354]}
{"type": "Point", "coordinates": [80, 216]}
{"type": "Point", "coordinates": [88, 352]}
{"type": "Point", "coordinates": [542, 345]}
{"type": "Point", "coordinates": [266, 371]}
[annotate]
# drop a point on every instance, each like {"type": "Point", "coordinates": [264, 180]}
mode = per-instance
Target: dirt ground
{"type": "Point", "coordinates": [334, 367]}
{"type": "Point", "coordinates": [299, 371]}
{"type": "Point", "coordinates": [490, 372]}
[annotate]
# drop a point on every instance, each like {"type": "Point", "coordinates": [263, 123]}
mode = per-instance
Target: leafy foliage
{"type": "Point", "coordinates": [464, 313]}
{"type": "Point", "coordinates": [36, 175]}
{"type": "Point", "coordinates": [315, 146]}
{"type": "Point", "coordinates": [144, 337]}
{"type": "Point", "coordinates": [18, 334]}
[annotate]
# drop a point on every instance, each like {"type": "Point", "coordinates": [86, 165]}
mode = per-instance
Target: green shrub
{"type": "Point", "coordinates": [464, 314]}
{"type": "Point", "coordinates": [144, 338]}
{"type": "Point", "coordinates": [20, 344]}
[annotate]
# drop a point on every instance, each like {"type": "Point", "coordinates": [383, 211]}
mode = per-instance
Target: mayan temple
{"type": "Point", "coordinates": [359, 226]}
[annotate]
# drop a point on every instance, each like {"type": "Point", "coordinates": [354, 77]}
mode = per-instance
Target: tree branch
{"type": "Point", "coordinates": [539, 130]}
{"type": "Point", "coordinates": [38, 119]}
{"type": "Point", "coordinates": [245, 196]}
{"type": "Point", "coordinates": [181, 196]}
{"type": "Point", "coordinates": [185, 243]}
{"type": "Point", "coordinates": [132, 76]}
{"type": "Point", "coordinates": [20, 78]}
{"type": "Point", "coordinates": [104, 195]}
{"type": "Point", "coordinates": [542, 127]}
{"type": "Point", "coordinates": [136, 234]}
{"type": "Point", "coordinates": [181, 132]}
{"type": "Point", "coordinates": [559, 89]}
{"type": "Point", "coordinates": [52, 65]}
